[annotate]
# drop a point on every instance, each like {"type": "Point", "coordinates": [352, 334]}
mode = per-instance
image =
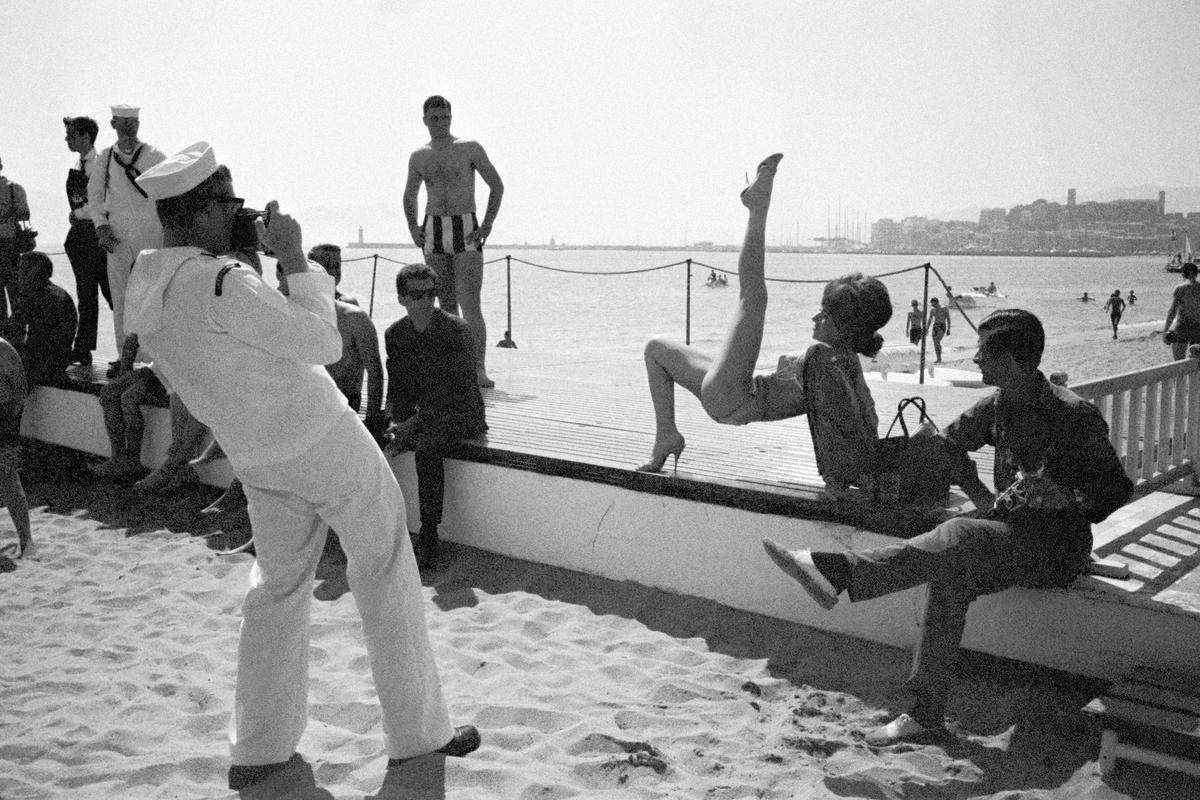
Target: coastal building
{"type": "Point", "coordinates": [1114, 227]}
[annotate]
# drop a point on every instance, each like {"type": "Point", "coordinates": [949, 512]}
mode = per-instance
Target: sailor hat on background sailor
{"type": "Point", "coordinates": [125, 111]}
{"type": "Point", "coordinates": [180, 173]}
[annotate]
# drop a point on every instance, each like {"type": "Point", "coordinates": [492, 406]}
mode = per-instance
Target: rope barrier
{"type": "Point", "coordinates": [375, 258]}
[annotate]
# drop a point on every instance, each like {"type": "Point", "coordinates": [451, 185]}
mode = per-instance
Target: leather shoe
{"type": "Point", "coordinates": [242, 776]}
{"type": "Point", "coordinates": [466, 740]}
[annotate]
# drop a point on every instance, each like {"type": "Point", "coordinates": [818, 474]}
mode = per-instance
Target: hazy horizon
{"type": "Point", "coordinates": [625, 122]}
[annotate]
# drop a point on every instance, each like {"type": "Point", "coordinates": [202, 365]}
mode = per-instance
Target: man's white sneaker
{"type": "Point", "coordinates": [799, 564]}
{"type": "Point", "coordinates": [902, 729]}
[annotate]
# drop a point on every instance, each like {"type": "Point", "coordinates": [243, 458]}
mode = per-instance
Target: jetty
{"type": "Point", "coordinates": [553, 482]}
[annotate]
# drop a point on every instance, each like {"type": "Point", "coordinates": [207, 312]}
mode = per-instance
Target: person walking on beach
{"type": "Point", "coordinates": [1115, 307]}
{"type": "Point", "coordinates": [433, 398]}
{"type": "Point", "coordinates": [1182, 326]}
{"type": "Point", "coordinates": [939, 321]}
{"type": "Point", "coordinates": [450, 236]}
{"type": "Point", "coordinates": [915, 323]}
{"type": "Point", "coordinates": [1053, 454]}
{"type": "Point", "coordinates": [122, 213]}
{"type": "Point", "coordinates": [14, 208]}
{"type": "Point", "coordinates": [88, 260]}
{"type": "Point", "coordinates": [248, 361]}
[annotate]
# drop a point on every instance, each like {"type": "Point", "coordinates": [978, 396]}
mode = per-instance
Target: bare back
{"type": "Point", "coordinates": [1186, 302]}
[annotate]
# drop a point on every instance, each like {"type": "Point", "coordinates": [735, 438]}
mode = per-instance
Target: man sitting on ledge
{"type": "Point", "coordinates": [433, 396]}
{"type": "Point", "coordinates": [1053, 454]}
{"type": "Point", "coordinates": [43, 326]}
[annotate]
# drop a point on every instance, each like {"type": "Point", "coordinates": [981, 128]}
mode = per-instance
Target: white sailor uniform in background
{"type": "Point", "coordinates": [247, 361]}
{"type": "Point", "coordinates": [114, 199]}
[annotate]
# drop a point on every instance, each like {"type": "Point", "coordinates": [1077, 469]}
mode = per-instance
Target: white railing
{"type": "Point", "coordinates": [1153, 420]}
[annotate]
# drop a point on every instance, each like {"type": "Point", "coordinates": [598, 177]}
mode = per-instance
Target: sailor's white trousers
{"type": "Point", "coordinates": [344, 481]}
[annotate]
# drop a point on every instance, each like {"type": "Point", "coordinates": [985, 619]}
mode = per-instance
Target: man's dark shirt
{"type": "Point", "coordinates": [1058, 430]}
{"type": "Point", "coordinates": [432, 373]}
{"type": "Point", "coordinates": [50, 316]}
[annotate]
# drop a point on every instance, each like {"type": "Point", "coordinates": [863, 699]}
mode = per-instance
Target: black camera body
{"type": "Point", "coordinates": [244, 236]}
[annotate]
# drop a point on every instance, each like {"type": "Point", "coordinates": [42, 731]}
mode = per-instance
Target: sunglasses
{"type": "Point", "coordinates": [420, 294]}
{"type": "Point", "coordinates": [234, 201]}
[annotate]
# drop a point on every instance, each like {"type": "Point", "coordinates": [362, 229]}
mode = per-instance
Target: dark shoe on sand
{"type": "Point", "coordinates": [240, 776]}
{"type": "Point", "coordinates": [466, 741]}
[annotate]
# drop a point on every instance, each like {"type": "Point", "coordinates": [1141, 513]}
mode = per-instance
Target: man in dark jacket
{"type": "Point", "coordinates": [45, 321]}
{"type": "Point", "coordinates": [433, 396]}
{"type": "Point", "coordinates": [1061, 474]}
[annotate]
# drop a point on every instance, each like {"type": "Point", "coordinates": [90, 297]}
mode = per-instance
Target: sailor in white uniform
{"type": "Point", "coordinates": [247, 361]}
{"type": "Point", "coordinates": [122, 213]}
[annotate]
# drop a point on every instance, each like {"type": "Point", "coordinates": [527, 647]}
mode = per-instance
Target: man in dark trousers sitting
{"type": "Point", "coordinates": [433, 397]}
{"type": "Point", "coordinates": [1059, 475]}
{"type": "Point", "coordinates": [43, 326]}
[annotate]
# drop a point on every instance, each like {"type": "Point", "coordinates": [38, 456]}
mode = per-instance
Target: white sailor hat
{"type": "Point", "coordinates": [125, 111]}
{"type": "Point", "coordinates": [180, 173]}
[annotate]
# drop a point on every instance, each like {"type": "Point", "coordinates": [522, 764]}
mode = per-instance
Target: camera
{"type": "Point", "coordinates": [244, 236]}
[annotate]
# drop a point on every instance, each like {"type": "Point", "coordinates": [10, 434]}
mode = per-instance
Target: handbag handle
{"type": "Point", "coordinates": [922, 415]}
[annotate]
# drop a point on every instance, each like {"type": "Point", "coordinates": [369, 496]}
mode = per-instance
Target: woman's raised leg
{"type": "Point", "coordinates": [726, 386]}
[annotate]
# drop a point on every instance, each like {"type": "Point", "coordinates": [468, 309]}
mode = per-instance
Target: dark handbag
{"type": "Point", "coordinates": [911, 470]}
{"type": "Point", "coordinates": [26, 238]}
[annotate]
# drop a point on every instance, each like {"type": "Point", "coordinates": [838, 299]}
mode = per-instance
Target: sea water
{"type": "Point", "coordinates": [604, 304]}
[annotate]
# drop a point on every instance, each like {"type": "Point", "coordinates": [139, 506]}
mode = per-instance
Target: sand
{"type": "Point", "coordinates": [118, 674]}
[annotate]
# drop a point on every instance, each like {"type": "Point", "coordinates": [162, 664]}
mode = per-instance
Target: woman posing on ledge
{"type": "Point", "coordinates": [826, 384]}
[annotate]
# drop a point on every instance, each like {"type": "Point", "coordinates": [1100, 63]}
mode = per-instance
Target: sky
{"type": "Point", "coordinates": [615, 122]}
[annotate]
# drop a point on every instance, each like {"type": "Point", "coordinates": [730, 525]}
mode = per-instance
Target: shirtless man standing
{"type": "Point", "coordinates": [450, 236]}
{"type": "Point", "coordinates": [1183, 317]}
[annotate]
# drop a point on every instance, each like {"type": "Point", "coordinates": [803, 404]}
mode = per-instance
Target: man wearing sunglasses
{"type": "Point", "coordinates": [249, 362]}
{"type": "Point", "coordinates": [433, 397]}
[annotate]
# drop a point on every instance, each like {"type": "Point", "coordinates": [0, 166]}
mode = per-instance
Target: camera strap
{"type": "Point", "coordinates": [131, 170]}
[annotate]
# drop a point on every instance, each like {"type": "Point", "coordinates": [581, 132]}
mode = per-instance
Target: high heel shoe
{"type": "Point", "coordinates": [759, 191]}
{"type": "Point", "coordinates": [658, 457]}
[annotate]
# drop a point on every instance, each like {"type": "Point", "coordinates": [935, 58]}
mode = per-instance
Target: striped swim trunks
{"type": "Point", "coordinates": [448, 235]}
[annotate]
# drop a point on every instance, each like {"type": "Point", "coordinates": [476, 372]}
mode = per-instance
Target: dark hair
{"type": "Point", "coordinates": [1016, 331]}
{"type": "Point", "coordinates": [413, 272]}
{"type": "Point", "coordinates": [180, 210]}
{"type": "Point", "coordinates": [85, 125]}
{"type": "Point", "coordinates": [41, 260]}
{"type": "Point", "coordinates": [324, 247]}
{"type": "Point", "coordinates": [435, 101]}
{"type": "Point", "coordinates": [1189, 270]}
{"type": "Point", "coordinates": [859, 305]}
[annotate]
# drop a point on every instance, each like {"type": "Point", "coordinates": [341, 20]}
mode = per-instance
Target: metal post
{"type": "Point", "coordinates": [924, 321]}
{"type": "Point", "coordinates": [374, 267]}
{"type": "Point", "coordinates": [508, 284]}
{"type": "Point", "coordinates": [687, 331]}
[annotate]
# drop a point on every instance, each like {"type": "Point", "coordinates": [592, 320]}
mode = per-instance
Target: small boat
{"type": "Point", "coordinates": [973, 299]}
{"type": "Point", "coordinates": [1179, 258]}
{"type": "Point", "coordinates": [717, 281]}
{"type": "Point", "coordinates": [988, 291]}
